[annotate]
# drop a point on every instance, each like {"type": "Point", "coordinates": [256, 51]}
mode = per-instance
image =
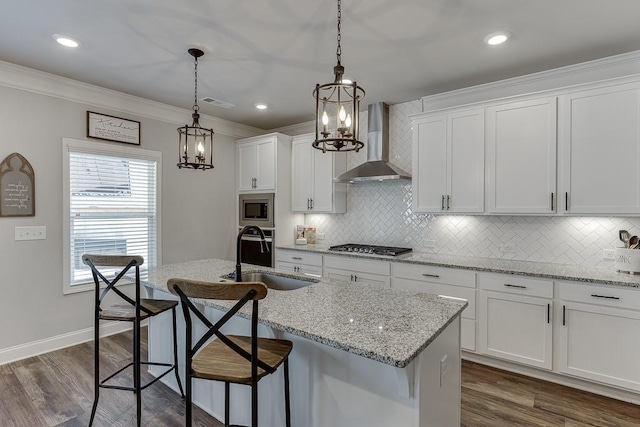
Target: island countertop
{"type": "Point", "coordinates": [391, 326]}
{"type": "Point", "coordinates": [576, 273]}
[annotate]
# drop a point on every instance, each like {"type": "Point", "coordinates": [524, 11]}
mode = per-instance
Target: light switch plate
{"type": "Point", "coordinates": [38, 232]}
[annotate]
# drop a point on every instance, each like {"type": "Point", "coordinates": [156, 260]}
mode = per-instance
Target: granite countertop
{"type": "Point", "coordinates": [577, 273]}
{"type": "Point", "coordinates": [391, 326]}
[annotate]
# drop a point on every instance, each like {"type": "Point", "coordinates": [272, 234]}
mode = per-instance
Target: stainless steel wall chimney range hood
{"type": "Point", "coordinates": [377, 167]}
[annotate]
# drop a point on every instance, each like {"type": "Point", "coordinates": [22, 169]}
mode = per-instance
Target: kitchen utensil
{"type": "Point", "coordinates": [624, 236]}
{"type": "Point", "coordinates": [633, 242]}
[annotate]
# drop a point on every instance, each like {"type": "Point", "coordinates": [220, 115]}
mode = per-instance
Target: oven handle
{"type": "Point", "coordinates": [256, 239]}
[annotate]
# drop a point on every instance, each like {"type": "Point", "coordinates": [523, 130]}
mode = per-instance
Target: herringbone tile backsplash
{"type": "Point", "coordinates": [380, 213]}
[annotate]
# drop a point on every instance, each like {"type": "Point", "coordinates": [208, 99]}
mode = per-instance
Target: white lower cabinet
{"type": "Point", "coordinates": [447, 282]}
{"type": "Point", "coordinates": [516, 319]}
{"type": "Point", "coordinates": [372, 272]}
{"type": "Point", "coordinates": [299, 262]}
{"type": "Point", "coordinates": [599, 334]}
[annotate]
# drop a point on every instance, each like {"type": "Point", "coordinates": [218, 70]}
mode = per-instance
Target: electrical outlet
{"type": "Point", "coordinates": [31, 233]}
{"type": "Point", "coordinates": [443, 370]}
{"type": "Point", "coordinates": [507, 247]}
{"type": "Point", "coordinates": [608, 254]}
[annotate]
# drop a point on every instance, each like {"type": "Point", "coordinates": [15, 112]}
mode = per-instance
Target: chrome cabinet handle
{"type": "Point", "coordinates": [447, 202]}
{"type": "Point", "coordinates": [515, 286]}
{"type": "Point", "coordinates": [431, 275]}
{"type": "Point", "coordinates": [564, 315]}
{"type": "Point", "coordinates": [355, 277]}
{"type": "Point", "coordinates": [442, 203]}
{"type": "Point", "coordinates": [311, 204]}
{"type": "Point", "coordinates": [307, 204]}
{"type": "Point", "coordinates": [551, 202]}
{"type": "Point", "coordinates": [566, 201]}
{"type": "Point", "coordinates": [296, 257]}
{"type": "Point", "coordinates": [604, 296]}
{"type": "Point", "coordinates": [548, 313]}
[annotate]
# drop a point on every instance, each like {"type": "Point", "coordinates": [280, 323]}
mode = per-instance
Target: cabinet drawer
{"type": "Point", "coordinates": [516, 285]}
{"type": "Point", "coordinates": [310, 270]}
{"type": "Point", "coordinates": [428, 273]}
{"type": "Point", "coordinates": [360, 265]}
{"type": "Point", "coordinates": [306, 258]}
{"type": "Point", "coordinates": [441, 289]}
{"type": "Point", "coordinates": [612, 296]}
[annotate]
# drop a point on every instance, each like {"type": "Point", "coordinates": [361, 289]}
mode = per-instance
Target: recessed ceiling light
{"type": "Point", "coordinates": [261, 106]}
{"type": "Point", "coordinates": [499, 37]}
{"type": "Point", "coordinates": [65, 40]}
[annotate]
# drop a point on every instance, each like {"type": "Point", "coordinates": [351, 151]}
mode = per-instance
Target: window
{"type": "Point", "coordinates": [111, 206]}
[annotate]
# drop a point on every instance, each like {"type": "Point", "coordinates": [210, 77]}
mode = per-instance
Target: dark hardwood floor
{"type": "Point", "coordinates": [56, 389]}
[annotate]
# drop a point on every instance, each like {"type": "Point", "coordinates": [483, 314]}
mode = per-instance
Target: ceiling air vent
{"type": "Point", "coordinates": [217, 102]}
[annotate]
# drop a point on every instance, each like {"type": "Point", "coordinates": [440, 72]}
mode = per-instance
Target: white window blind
{"type": "Point", "coordinates": [112, 206]}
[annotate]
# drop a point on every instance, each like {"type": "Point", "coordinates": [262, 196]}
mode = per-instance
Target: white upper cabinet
{"type": "Point", "coordinates": [448, 162]}
{"type": "Point", "coordinates": [313, 189]}
{"type": "Point", "coordinates": [257, 164]}
{"type": "Point", "coordinates": [521, 157]}
{"type": "Point", "coordinates": [600, 149]}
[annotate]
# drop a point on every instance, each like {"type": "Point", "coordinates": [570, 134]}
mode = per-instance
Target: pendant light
{"type": "Point", "coordinates": [195, 144]}
{"type": "Point", "coordinates": [337, 107]}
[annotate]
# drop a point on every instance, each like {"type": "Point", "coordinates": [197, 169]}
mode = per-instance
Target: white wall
{"type": "Point", "coordinates": [198, 207]}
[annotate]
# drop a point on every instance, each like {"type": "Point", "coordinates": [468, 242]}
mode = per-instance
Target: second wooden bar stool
{"type": "Point", "coordinates": [230, 358]}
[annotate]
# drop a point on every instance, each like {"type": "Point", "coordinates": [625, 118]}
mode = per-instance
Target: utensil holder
{"type": "Point", "coordinates": [627, 260]}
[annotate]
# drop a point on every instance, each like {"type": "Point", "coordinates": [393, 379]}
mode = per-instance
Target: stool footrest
{"type": "Point", "coordinates": [143, 386]}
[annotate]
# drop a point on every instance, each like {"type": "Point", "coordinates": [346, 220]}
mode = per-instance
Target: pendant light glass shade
{"type": "Point", "coordinates": [337, 108]}
{"type": "Point", "coordinates": [195, 143]}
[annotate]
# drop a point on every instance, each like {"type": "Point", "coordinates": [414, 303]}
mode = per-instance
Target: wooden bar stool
{"type": "Point", "coordinates": [230, 358]}
{"type": "Point", "coordinates": [131, 310]}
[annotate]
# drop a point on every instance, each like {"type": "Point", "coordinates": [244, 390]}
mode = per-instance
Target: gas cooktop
{"type": "Point", "coordinates": [369, 249]}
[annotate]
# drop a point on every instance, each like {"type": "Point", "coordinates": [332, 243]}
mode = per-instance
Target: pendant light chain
{"type": "Point", "coordinates": [339, 49]}
{"type": "Point", "coordinates": [195, 93]}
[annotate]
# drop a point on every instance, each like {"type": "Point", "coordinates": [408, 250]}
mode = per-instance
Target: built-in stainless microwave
{"type": "Point", "coordinates": [256, 209]}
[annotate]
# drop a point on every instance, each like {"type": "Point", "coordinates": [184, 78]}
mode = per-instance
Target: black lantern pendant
{"type": "Point", "coordinates": [195, 144]}
{"type": "Point", "coordinates": [337, 108]}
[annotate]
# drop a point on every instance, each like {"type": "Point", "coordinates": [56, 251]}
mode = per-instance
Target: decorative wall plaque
{"type": "Point", "coordinates": [111, 128]}
{"type": "Point", "coordinates": [17, 190]}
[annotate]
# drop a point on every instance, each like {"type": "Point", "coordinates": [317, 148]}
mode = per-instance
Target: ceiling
{"type": "Point", "coordinates": [276, 51]}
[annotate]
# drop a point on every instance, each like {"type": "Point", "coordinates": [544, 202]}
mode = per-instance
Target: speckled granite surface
{"type": "Point", "coordinates": [391, 326]}
{"type": "Point", "coordinates": [524, 268]}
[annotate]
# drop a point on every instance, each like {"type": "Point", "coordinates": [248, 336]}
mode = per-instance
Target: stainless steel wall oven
{"type": "Point", "coordinates": [256, 209]}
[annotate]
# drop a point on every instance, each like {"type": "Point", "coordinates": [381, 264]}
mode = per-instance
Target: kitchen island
{"type": "Point", "coordinates": [362, 355]}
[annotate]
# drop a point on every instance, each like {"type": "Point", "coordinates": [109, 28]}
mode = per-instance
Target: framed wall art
{"type": "Point", "coordinates": [111, 128]}
{"type": "Point", "coordinates": [17, 185]}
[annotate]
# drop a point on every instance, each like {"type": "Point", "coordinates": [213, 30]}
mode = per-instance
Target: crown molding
{"type": "Point", "coordinates": [297, 129]}
{"type": "Point", "coordinates": [30, 80]}
{"type": "Point", "coordinates": [612, 67]}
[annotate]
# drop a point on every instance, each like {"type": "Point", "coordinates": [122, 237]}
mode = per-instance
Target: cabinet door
{"type": "Point", "coordinates": [516, 328]}
{"type": "Point", "coordinates": [301, 168]}
{"type": "Point", "coordinates": [465, 160]}
{"type": "Point", "coordinates": [521, 157]}
{"type": "Point", "coordinates": [322, 170]}
{"type": "Point", "coordinates": [601, 344]}
{"type": "Point", "coordinates": [601, 150]}
{"type": "Point", "coordinates": [247, 166]}
{"type": "Point", "coordinates": [468, 324]}
{"type": "Point", "coordinates": [266, 165]}
{"type": "Point", "coordinates": [429, 164]}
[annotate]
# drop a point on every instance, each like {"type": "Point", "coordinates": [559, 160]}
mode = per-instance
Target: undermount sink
{"type": "Point", "coordinates": [274, 280]}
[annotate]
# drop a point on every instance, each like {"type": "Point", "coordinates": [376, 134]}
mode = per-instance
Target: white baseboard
{"type": "Point", "coordinates": [47, 345]}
